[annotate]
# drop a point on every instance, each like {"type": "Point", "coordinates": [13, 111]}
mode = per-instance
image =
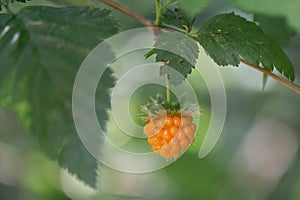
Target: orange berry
{"type": "Point", "coordinates": [184, 144]}
{"type": "Point", "coordinates": [164, 142]}
{"type": "Point", "coordinates": [174, 142]}
{"type": "Point", "coordinates": [173, 130]}
{"type": "Point", "coordinates": [152, 140]}
{"type": "Point", "coordinates": [193, 127]}
{"type": "Point", "coordinates": [153, 127]}
{"type": "Point", "coordinates": [165, 153]}
{"type": "Point", "coordinates": [148, 129]}
{"type": "Point", "coordinates": [191, 135]}
{"type": "Point", "coordinates": [156, 147]}
{"type": "Point", "coordinates": [169, 135]}
{"type": "Point", "coordinates": [165, 133]}
{"type": "Point", "coordinates": [187, 131]}
{"type": "Point", "coordinates": [159, 122]}
{"type": "Point", "coordinates": [176, 121]}
{"type": "Point", "coordinates": [191, 138]}
{"type": "Point", "coordinates": [157, 125]}
{"type": "Point", "coordinates": [168, 122]}
{"type": "Point", "coordinates": [180, 135]}
{"type": "Point", "coordinates": [185, 121]}
{"type": "Point", "coordinates": [175, 151]}
{"type": "Point", "coordinates": [166, 138]}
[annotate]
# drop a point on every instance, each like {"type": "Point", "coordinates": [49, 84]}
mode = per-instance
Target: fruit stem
{"type": "Point", "coordinates": [168, 89]}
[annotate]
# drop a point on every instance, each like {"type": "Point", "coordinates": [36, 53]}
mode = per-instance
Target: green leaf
{"type": "Point", "coordinates": [175, 62]}
{"type": "Point", "coordinates": [179, 44]}
{"type": "Point", "coordinates": [179, 52]}
{"type": "Point", "coordinates": [275, 8]}
{"type": "Point", "coordinates": [12, 1]}
{"type": "Point", "coordinates": [6, 2]}
{"type": "Point", "coordinates": [192, 7]}
{"type": "Point", "coordinates": [275, 27]}
{"type": "Point", "coordinates": [228, 37]}
{"type": "Point", "coordinates": [174, 17]}
{"type": "Point", "coordinates": [72, 2]}
{"type": "Point", "coordinates": [41, 49]}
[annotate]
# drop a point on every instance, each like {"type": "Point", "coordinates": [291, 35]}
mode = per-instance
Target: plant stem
{"type": "Point", "coordinates": [158, 10]}
{"type": "Point", "coordinates": [166, 4]}
{"type": "Point", "coordinates": [277, 78]}
{"type": "Point", "coordinates": [128, 12]}
{"type": "Point", "coordinates": [168, 93]}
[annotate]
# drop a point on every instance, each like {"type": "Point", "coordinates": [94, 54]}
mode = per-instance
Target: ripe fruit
{"type": "Point", "coordinates": [170, 128]}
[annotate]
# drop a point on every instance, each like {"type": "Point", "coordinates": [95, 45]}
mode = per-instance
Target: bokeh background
{"type": "Point", "coordinates": [257, 156]}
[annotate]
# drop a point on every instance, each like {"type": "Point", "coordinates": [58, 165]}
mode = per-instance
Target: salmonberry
{"type": "Point", "coordinates": [170, 129]}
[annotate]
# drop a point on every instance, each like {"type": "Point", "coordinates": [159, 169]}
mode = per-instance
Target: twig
{"type": "Point", "coordinates": [277, 78]}
{"type": "Point", "coordinates": [128, 12]}
{"type": "Point", "coordinates": [149, 23]}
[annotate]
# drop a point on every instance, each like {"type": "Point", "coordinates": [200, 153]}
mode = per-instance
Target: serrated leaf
{"type": "Point", "coordinates": [275, 27]}
{"type": "Point", "coordinates": [179, 52]}
{"type": "Point", "coordinates": [181, 67]}
{"type": "Point", "coordinates": [275, 8]}
{"type": "Point", "coordinates": [72, 2]}
{"type": "Point", "coordinates": [227, 38]}
{"type": "Point", "coordinates": [41, 49]}
{"type": "Point", "coordinates": [174, 17]}
{"type": "Point", "coordinates": [12, 1]}
{"type": "Point", "coordinates": [179, 44]}
{"type": "Point", "coordinates": [6, 2]}
{"type": "Point", "coordinates": [192, 7]}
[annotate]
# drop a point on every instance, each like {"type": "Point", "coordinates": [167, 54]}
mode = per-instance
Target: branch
{"type": "Point", "coordinates": [128, 12]}
{"type": "Point", "coordinates": [149, 23]}
{"type": "Point", "coordinates": [277, 78]}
